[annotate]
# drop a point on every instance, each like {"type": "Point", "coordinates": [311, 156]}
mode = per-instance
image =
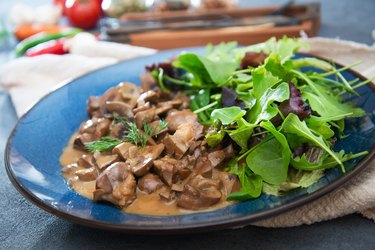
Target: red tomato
{"type": "Point", "coordinates": [84, 14]}
{"type": "Point", "coordinates": [60, 3]}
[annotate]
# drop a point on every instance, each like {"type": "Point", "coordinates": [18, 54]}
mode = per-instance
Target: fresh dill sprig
{"type": "Point", "coordinates": [105, 143]}
{"type": "Point", "coordinates": [135, 136]}
{"type": "Point", "coordinates": [162, 125]}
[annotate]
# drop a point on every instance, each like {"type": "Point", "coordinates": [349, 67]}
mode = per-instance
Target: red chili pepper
{"type": "Point", "coordinates": [55, 47]}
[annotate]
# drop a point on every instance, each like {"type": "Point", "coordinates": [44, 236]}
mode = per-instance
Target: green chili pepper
{"type": "Point", "coordinates": [34, 40]}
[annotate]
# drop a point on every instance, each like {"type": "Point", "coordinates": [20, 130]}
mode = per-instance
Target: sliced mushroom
{"type": "Point", "coordinates": [112, 94]}
{"type": "Point", "coordinates": [85, 161]}
{"type": "Point", "coordinates": [144, 116]}
{"type": "Point", "coordinates": [119, 108]}
{"type": "Point", "coordinates": [148, 96]}
{"type": "Point", "coordinates": [116, 184]}
{"type": "Point", "coordinates": [122, 150]}
{"type": "Point", "coordinates": [216, 157]}
{"type": "Point", "coordinates": [177, 118]}
{"type": "Point", "coordinates": [130, 92]}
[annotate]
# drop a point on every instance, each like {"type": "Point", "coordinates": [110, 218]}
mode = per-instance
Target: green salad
{"type": "Point", "coordinates": [283, 120]}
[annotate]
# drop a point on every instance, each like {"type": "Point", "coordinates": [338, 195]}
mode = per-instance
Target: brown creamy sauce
{"type": "Point", "coordinates": [148, 204]}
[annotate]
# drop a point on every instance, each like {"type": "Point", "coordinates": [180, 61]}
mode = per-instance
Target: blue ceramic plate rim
{"type": "Point", "coordinates": [178, 228]}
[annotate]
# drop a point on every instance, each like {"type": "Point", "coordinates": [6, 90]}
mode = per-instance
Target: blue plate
{"type": "Point", "coordinates": [37, 141]}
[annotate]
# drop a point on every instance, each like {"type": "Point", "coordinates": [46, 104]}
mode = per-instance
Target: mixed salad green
{"type": "Point", "coordinates": [282, 120]}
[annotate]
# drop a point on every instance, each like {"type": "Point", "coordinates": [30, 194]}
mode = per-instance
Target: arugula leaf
{"type": "Point", "coordinates": [228, 115]}
{"type": "Point", "coordinates": [267, 160]}
{"type": "Point", "coordinates": [312, 62]}
{"type": "Point", "coordinates": [296, 179]}
{"type": "Point", "coordinates": [326, 104]}
{"type": "Point", "coordinates": [320, 127]}
{"type": "Point", "coordinates": [293, 125]}
{"type": "Point", "coordinates": [262, 109]}
{"type": "Point", "coordinates": [327, 162]}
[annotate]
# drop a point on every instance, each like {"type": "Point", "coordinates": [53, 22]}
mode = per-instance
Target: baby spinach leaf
{"type": "Point", "coordinates": [293, 125]}
{"type": "Point", "coordinates": [251, 185]}
{"type": "Point", "coordinates": [228, 115]}
{"type": "Point", "coordinates": [262, 109]}
{"type": "Point", "coordinates": [192, 64]}
{"type": "Point", "coordinates": [262, 80]}
{"type": "Point", "coordinates": [242, 134]}
{"type": "Point", "coordinates": [267, 160]}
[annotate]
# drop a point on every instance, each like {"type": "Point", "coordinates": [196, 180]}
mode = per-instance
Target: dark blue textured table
{"type": "Point", "coordinates": [24, 226]}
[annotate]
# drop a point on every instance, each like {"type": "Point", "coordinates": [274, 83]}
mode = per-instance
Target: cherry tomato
{"type": "Point", "coordinates": [84, 14]}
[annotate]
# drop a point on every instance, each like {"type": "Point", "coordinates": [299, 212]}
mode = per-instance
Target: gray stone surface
{"type": "Point", "coordinates": [24, 226]}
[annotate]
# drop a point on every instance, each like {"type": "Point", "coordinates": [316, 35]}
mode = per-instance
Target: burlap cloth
{"type": "Point", "coordinates": [28, 79]}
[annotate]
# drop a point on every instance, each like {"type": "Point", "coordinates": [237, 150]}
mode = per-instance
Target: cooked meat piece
{"type": "Point", "coordinates": [167, 195]}
{"type": "Point", "coordinates": [130, 93]}
{"type": "Point", "coordinates": [204, 167]}
{"type": "Point", "coordinates": [166, 169]}
{"type": "Point", "coordinates": [144, 116]}
{"type": "Point", "coordinates": [199, 193]}
{"type": "Point", "coordinates": [140, 159]}
{"type": "Point", "coordinates": [116, 184]}
{"type": "Point", "coordinates": [177, 187]}
{"type": "Point", "coordinates": [85, 161]}
{"type": "Point", "coordinates": [183, 169]}
{"type": "Point", "coordinates": [148, 82]}
{"type": "Point", "coordinates": [230, 182]}
{"type": "Point", "coordinates": [103, 160]}
{"type": "Point", "coordinates": [176, 118]}
{"type": "Point", "coordinates": [149, 183]}
{"type": "Point", "coordinates": [88, 174]}
{"type": "Point", "coordinates": [216, 157]}
{"type": "Point", "coordinates": [179, 143]}
{"type": "Point", "coordinates": [122, 150]}
{"type": "Point", "coordinates": [119, 108]}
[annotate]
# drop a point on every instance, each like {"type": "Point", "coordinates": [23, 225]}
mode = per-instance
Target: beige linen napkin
{"type": "Point", "coordinates": [28, 79]}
